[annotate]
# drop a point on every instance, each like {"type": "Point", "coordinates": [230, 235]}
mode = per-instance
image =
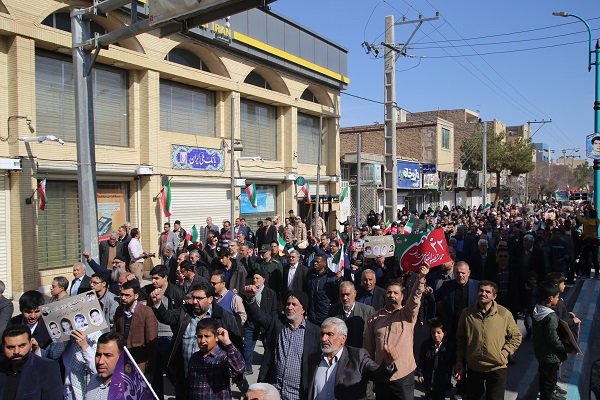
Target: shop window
{"type": "Point", "coordinates": [187, 58]}
{"type": "Point", "coordinates": [58, 226]}
{"type": "Point", "coordinates": [309, 139]}
{"type": "Point", "coordinates": [266, 206]}
{"type": "Point", "coordinates": [259, 129]}
{"type": "Point", "coordinates": [55, 100]}
{"type": "Point", "coordinates": [187, 109]}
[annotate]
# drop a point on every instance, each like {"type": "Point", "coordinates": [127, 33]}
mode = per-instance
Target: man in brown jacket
{"type": "Point", "coordinates": [394, 326]}
{"type": "Point", "coordinates": [139, 327]}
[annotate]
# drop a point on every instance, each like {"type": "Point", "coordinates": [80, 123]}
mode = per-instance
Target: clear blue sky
{"type": "Point", "coordinates": [512, 86]}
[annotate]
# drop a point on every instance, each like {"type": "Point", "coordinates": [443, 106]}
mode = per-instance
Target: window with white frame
{"type": "Point", "coordinates": [445, 138]}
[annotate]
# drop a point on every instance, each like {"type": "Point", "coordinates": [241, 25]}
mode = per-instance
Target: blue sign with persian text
{"type": "Point", "coordinates": [429, 168]}
{"type": "Point", "coordinates": [409, 175]}
{"type": "Point", "coordinates": [184, 157]}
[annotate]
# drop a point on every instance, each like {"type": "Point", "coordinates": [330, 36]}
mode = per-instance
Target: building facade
{"type": "Point", "coordinates": [166, 109]}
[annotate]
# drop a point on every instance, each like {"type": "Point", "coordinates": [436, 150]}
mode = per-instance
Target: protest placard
{"type": "Point", "coordinates": [376, 246]}
{"type": "Point", "coordinates": [415, 250]}
{"type": "Point", "coordinates": [81, 312]}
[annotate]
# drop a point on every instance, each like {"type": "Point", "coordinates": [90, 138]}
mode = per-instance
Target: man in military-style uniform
{"type": "Point", "coordinates": [273, 268]}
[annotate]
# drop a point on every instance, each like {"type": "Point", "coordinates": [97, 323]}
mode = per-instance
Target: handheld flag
{"type": "Point", "coordinates": [165, 199]}
{"type": "Point", "coordinates": [338, 261]}
{"type": "Point", "coordinates": [587, 186]}
{"type": "Point", "coordinates": [415, 225]}
{"type": "Point", "coordinates": [128, 382]}
{"type": "Point", "coordinates": [306, 190]}
{"type": "Point", "coordinates": [251, 192]}
{"type": "Point", "coordinates": [193, 236]}
{"type": "Point", "coordinates": [282, 243]}
{"type": "Point", "coordinates": [416, 249]}
{"type": "Point", "coordinates": [388, 227]}
{"type": "Point", "coordinates": [344, 193]}
{"type": "Point", "coordinates": [42, 190]}
{"type": "Point", "coordinates": [486, 209]}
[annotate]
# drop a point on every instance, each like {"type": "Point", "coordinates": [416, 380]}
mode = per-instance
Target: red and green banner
{"type": "Point", "coordinates": [193, 235]}
{"type": "Point", "coordinates": [413, 251]}
{"type": "Point", "coordinates": [306, 190]}
{"type": "Point", "coordinates": [339, 261]}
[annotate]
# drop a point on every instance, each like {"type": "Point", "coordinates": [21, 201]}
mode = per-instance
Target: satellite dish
{"type": "Point", "coordinates": [300, 181]}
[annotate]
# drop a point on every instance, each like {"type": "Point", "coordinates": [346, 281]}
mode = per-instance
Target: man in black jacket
{"type": "Point", "coordinates": [322, 286]}
{"type": "Point", "coordinates": [369, 293]}
{"type": "Point", "coordinates": [268, 303]}
{"type": "Point", "coordinates": [289, 340]}
{"type": "Point", "coordinates": [29, 305]}
{"type": "Point", "coordinates": [184, 321]}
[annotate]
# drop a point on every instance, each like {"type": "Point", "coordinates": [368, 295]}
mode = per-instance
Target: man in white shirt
{"type": "Point", "coordinates": [294, 274]}
{"type": "Point", "coordinates": [137, 254]}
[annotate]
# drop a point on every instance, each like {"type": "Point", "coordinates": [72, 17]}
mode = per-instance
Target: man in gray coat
{"type": "Point", "coordinates": [353, 313]}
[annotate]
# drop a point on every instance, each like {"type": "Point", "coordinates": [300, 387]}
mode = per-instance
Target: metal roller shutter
{"type": "Point", "coordinates": [5, 275]}
{"type": "Point", "coordinates": [192, 203]}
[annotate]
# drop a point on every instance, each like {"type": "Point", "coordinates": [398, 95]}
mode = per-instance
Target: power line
{"type": "Point", "coordinates": [510, 51]}
{"type": "Point", "coordinates": [505, 42]}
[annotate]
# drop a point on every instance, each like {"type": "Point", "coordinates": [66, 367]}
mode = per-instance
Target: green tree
{"type": "Point", "coordinates": [515, 156]}
{"type": "Point", "coordinates": [583, 175]}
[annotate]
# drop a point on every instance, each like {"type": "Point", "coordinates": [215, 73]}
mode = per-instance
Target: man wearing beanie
{"type": "Point", "coordinates": [289, 340]}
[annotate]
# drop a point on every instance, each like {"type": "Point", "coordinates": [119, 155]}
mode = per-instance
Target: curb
{"type": "Point", "coordinates": [585, 309]}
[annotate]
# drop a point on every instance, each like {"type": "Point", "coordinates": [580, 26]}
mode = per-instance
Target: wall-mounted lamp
{"type": "Point", "coordinates": [27, 119]}
{"type": "Point", "coordinates": [334, 178]}
{"type": "Point", "coordinates": [290, 177]}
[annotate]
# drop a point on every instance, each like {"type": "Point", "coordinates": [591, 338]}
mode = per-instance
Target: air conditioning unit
{"type": "Point", "coordinates": [13, 164]}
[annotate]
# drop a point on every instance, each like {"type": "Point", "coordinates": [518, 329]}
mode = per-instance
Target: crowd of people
{"type": "Point", "coordinates": [334, 323]}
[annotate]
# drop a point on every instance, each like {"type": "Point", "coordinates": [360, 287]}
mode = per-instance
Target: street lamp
{"type": "Point", "coordinates": [597, 99]}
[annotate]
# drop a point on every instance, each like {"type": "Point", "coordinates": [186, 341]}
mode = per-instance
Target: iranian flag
{"type": "Point", "coordinates": [351, 244]}
{"type": "Point", "coordinates": [587, 186]}
{"type": "Point", "coordinates": [344, 193]}
{"type": "Point", "coordinates": [340, 238]}
{"type": "Point", "coordinates": [388, 227]}
{"type": "Point", "coordinates": [306, 190]}
{"type": "Point", "coordinates": [415, 250]}
{"type": "Point", "coordinates": [42, 190]}
{"type": "Point", "coordinates": [338, 262]}
{"type": "Point", "coordinates": [486, 209]}
{"type": "Point", "coordinates": [251, 192]}
{"type": "Point", "coordinates": [282, 243]}
{"type": "Point", "coordinates": [165, 199]}
{"type": "Point", "coordinates": [416, 225]}
{"type": "Point", "coordinates": [193, 235]}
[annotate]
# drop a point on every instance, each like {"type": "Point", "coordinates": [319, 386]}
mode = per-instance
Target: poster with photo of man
{"type": "Point", "coordinates": [76, 312]}
{"type": "Point", "coordinates": [593, 146]}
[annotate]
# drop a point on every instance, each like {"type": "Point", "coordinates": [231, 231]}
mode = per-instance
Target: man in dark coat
{"type": "Point", "coordinates": [186, 319]}
{"type": "Point", "coordinates": [483, 259]}
{"type": "Point", "coordinates": [353, 313]}
{"type": "Point", "coordinates": [352, 367]}
{"type": "Point", "coordinates": [289, 340]}
{"type": "Point", "coordinates": [465, 244]}
{"type": "Point", "coordinates": [294, 275]}
{"type": "Point", "coordinates": [29, 305]}
{"type": "Point", "coordinates": [23, 375]}
{"type": "Point", "coordinates": [104, 249]}
{"type": "Point", "coordinates": [455, 295]}
{"type": "Point", "coordinates": [369, 293]}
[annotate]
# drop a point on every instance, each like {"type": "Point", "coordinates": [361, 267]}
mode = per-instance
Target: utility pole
{"type": "Point", "coordinates": [542, 123]}
{"type": "Point", "coordinates": [358, 176]}
{"type": "Point", "coordinates": [390, 187]}
{"type": "Point", "coordinates": [390, 181]}
{"type": "Point", "coordinates": [484, 162]}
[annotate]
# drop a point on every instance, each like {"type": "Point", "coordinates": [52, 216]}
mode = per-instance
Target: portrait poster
{"type": "Point", "coordinates": [81, 312]}
{"type": "Point", "coordinates": [376, 246]}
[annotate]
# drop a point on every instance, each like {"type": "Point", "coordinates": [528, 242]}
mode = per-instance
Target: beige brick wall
{"type": "Point", "coordinates": [21, 33]}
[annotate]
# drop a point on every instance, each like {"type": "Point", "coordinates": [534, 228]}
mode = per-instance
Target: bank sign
{"type": "Point", "coordinates": [184, 157]}
{"type": "Point", "coordinates": [409, 175]}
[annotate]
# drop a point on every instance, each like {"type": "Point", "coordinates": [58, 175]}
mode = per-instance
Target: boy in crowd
{"type": "Point", "coordinates": [549, 350]}
{"type": "Point", "coordinates": [211, 368]}
{"type": "Point", "coordinates": [436, 359]}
